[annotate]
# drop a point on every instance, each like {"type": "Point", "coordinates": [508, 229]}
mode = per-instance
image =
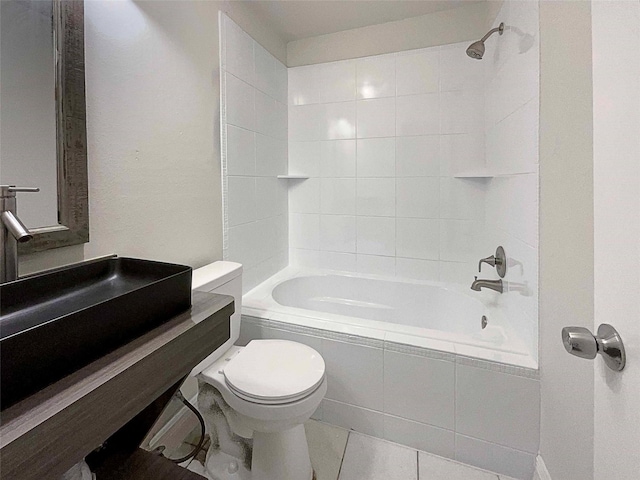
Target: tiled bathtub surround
{"type": "Point", "coordinates": [254, 152]}
{"type": "Point", "coordinates": [511, 121]}
{"type": "Point", "coordinates": [478, 412]}
{"type": "Point", "coordinates": [381, 138]}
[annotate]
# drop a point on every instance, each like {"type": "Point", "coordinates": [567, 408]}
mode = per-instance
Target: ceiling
{"type": "Point", "coordinates": [295, 19]}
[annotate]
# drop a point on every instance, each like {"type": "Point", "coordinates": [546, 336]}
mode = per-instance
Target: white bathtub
{"type": "Point", "coordinates": [428, 315]}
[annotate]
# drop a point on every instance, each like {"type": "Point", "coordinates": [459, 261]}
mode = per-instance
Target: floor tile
{"type": "Point", "coordinates": [326, 448]}
{"type": "Point", "coordinates": [368, 458]}
{"type": "Point", "coordinates": [437, 468]}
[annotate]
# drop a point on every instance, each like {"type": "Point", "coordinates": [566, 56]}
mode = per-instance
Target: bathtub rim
{"type": "Point", "coordinates": [255, 305]}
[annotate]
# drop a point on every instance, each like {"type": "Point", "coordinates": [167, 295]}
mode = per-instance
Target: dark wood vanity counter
{"type": "Point", "coordinates": [44, 435]}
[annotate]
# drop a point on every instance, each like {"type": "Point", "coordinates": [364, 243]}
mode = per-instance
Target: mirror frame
{"type": "Point", "coordinates": [71, 133]}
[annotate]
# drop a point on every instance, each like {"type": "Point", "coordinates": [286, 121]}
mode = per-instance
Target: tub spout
{"type": "Point", "coordinates": [478, 285]}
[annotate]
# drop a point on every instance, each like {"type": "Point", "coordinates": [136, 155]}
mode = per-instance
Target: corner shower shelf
{"type": "Point", "coordinates": [474, 174]}
{"type": "Point", "coordinates": [293, 177]}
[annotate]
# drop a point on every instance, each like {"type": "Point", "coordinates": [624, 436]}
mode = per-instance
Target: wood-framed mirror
{"type": "Point", "coordinates": [65, 118]}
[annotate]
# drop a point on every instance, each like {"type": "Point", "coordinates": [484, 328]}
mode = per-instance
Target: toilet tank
{"type": "Point", "coordinates": [224, 278]}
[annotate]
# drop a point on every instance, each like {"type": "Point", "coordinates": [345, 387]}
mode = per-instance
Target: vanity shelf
{"type": "Point", "coordinates": [293, 177]}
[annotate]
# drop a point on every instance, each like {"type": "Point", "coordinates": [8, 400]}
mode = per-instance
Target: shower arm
{"type": "Point", "coordinates": [499, 29]}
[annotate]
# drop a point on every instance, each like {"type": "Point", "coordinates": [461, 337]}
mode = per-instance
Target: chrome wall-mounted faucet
{"type": "Point", "coordinates": [496, 285]}
{"type": "Point", "coordinates": [12, 231]}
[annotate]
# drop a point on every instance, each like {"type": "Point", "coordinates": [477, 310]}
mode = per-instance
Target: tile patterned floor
{"type": "Point", "coordinates": [339, 454]}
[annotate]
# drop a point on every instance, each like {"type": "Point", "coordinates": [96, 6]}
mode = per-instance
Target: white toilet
{"type": "Point", "coordinates": [272, 386]}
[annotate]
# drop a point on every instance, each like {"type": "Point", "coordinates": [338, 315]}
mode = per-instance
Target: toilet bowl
{"type": "Point", "coordinates": [270, 386]}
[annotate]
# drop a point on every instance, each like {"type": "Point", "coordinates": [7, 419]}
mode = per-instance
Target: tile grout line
{"type": "Point", "coordinates": [344, 452]}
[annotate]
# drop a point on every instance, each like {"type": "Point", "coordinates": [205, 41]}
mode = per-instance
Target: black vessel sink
{"type": "Point", "coordinates": [54, 323]}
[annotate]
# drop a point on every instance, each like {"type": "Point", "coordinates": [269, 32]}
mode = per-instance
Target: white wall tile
{"type": "Point", "coordinates": [345, 262]}
{"type": "Point", "coordinates": [462, 198]}
{"type": "Point", "coordinates": [268, 197]}
{"type": "Point", "coordinates": [375, 265]}
{"type": "Point", "coordinates": [241, 200]}
{"type": "Point", "coordinates": [376, 235]}
{"type": "Point", "coordinates": [338, 233]}
{"type": "Point", "coordinates": [304, 231]}
{"type": "Point", "coordinates": [241, 151]}
{"type": "Point", "coordinates": [376, 118]}
{"type": "Point", "coordinates": [304, 196]}
{"type": "Point", "coordinates": [458, 240]}
{"type": "Point", "coordinates": [238, 54]}
{"type": "Point", "coordinates": [376, 77]}
{"type": "Point", "coordinates": [462, 153]}
{"type": "Point", "coordinates": [457, 272]}
{"type": "Point", "coordinates": [338, 158]}
{"type": "Point", "coordinates": [303, 258]}
{"type": "Point", "coordinates": [461, 112]}
{"type": "Point", "coordinates": [304, 85]}
{"type": "Point", "coordinates": [265, 114]}
{"type": "Point", "coordinates": [271, 156]}
{"type": "Point", "coordinates": [419, 389]}
{"type": "Point", "coordinates": [265, 78]}
{"type": "Point", "coordinates": [240, 108]}
{"type": "Point", "coordinates": [376, 197]}
{"type": "Point", "coordinates": [417, 197]}
{"type": "Point", "coordinates": [457, 72]}
{"type": "Point", "coordinates": [353, 373]}
{"type": "Point", "coordinates": [338, 196]}
{"type": "Point", "coordinates": [304, 158]}
{"type": "Point", "coordinates": [418, 156]}
{"type": "Point", "coordinates": [498, 407]}
{"type": "Point", "coordinates": [418, 115]}
{"type": "Point", "coordinates": [417, 269]}
{"type": "Point", "coordinates": [339, 121]}
{"type": "Point", "coordinates": [417, 72]}
{"type": "Point", "coordinates": [495, 458]}
{"type": "Point", "coordinates": [376, 157]}
{"type": "Point", "coordinates": [419, 436]}
{"type": "Point", "coordinates": [350, 417]}
{"type": "Point", "coordinates": [417, 238]}
{"type": "Point", "coordinates": [306, 122]}
{"type": "Point", "coordinates": [337, 81]}
{"type": "Point", "coordinates": [243, 244]}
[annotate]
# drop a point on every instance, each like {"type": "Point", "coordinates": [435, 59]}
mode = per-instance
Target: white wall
{"type": "Point", "coordinates": [152, 80]}
{"type": "Point", "coordinates": [511, 119]}
{"type": "Point", "coordinates": [616, 119]}
{"type": "Point", "coordinates": [28, 149]}
{"type": "Point", "coordinates": [469, 22]}
{"type": "Point", "coordinates": [566, 236]}
{"type": "Point", "coordinates": [381, 139]}
{"type": "Point", "coordinates": [254, 152]}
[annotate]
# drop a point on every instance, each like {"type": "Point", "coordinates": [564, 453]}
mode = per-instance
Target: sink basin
{"type": "Point", "coordinates": [54, 323]}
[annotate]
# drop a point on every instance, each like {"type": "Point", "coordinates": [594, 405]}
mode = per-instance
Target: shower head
{"type": "Point", "coordinates": [476, 49]}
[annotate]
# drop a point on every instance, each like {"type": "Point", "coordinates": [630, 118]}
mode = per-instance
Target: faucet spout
{"type": "Point", "coordinates": [495, 285]}
{"type": "Point", "coordinates": [13, 224]}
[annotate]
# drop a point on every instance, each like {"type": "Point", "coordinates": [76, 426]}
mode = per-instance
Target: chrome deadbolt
{"type": "Point", "coordinates": [579, 341]}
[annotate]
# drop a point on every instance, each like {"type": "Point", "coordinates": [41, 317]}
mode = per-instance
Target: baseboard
{"type": "Point", "coordinates": [541, 472]}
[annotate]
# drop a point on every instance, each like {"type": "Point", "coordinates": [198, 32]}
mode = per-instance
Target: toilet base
{"type": "Point", "coordinates": [281, 455]}
{"type": "Point", "coordinates": [222, 466]}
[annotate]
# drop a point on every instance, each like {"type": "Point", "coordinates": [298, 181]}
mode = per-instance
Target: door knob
{"type": "Point", "coordinates": [579, 341]}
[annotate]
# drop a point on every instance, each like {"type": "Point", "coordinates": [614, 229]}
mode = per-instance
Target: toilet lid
{"type": "Point", "coordinates": [274, 371]}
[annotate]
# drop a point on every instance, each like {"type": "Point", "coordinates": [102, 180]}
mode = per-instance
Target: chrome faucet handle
{"type": "Point", "coordinates": [489, 261]}
{"type": "Point", "coordinates": [13, 188]}
{"type": "Point", "coordinates": [499, 261]}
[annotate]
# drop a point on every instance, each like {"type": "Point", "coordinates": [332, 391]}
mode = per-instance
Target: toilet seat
{"type": "Point", "coordinates": [274, 372]}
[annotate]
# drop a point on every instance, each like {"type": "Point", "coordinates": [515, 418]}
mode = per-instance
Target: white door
{"type": "Point", "coordinates": [616, 93]}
